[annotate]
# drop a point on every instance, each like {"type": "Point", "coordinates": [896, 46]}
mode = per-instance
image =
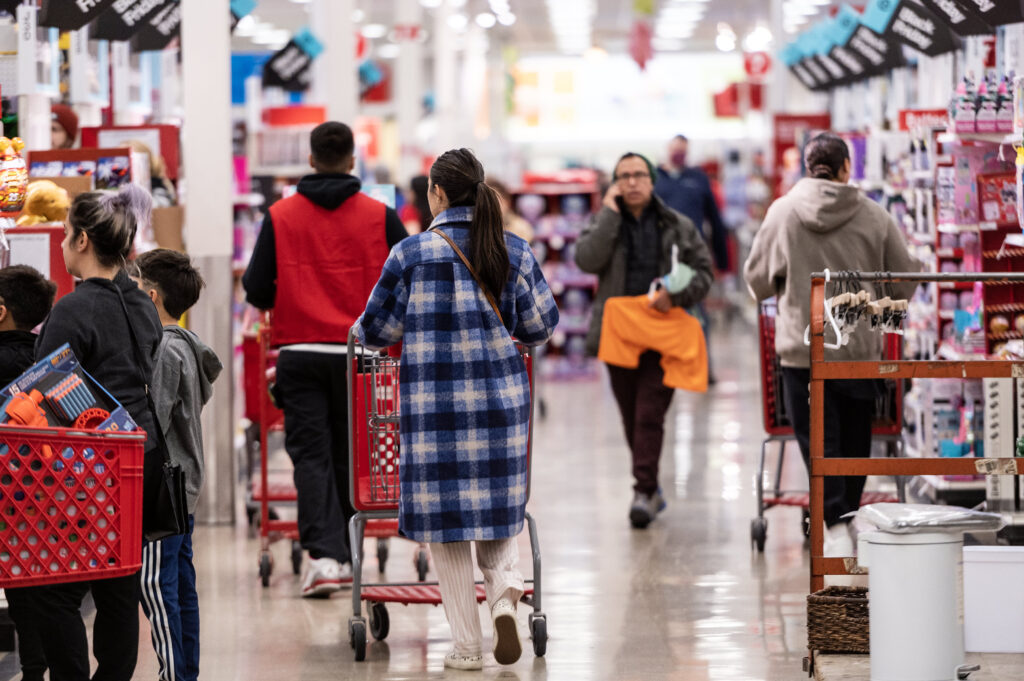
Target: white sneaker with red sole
{"type": "Point", "coordinates": [323, 577]}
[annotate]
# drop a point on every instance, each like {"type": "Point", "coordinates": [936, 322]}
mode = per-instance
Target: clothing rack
{"type": "Point", "coordinates": [824, 370]}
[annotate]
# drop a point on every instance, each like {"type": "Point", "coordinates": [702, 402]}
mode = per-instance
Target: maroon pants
{"type": "Point", "coordinates": [643, 402]}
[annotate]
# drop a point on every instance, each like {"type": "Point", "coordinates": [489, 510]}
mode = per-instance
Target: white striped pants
{"type": "Point", "coordinates": [499, 561]}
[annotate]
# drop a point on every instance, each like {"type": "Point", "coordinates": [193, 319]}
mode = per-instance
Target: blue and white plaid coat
{"type": "Point", "coordinates": [465, 397]}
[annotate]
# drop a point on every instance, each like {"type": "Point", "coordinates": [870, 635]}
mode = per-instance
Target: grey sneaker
{"type": "Point", "coordinates": [644, 508]}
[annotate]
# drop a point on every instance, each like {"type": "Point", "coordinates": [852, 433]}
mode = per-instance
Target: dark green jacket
{"type": "Point", "coordinates": [601, 250]}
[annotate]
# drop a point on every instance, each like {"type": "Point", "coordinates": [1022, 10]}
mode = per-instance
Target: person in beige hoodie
{"type": "Point", "coordinates": [824, 222]}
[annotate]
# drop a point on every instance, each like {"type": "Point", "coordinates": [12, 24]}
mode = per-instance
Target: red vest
{"type": "Point", "coordinates": [328, 262]}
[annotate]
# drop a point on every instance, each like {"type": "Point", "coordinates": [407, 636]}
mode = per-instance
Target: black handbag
{"type": "Point", "coordinates": [164, 502]}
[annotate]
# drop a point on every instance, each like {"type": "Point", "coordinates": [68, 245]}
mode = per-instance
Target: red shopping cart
{"type": "Point", "coordinates": [273, 488]}
{"type": "Point", "coordinates": [374, 463]}
{"type": "Point", "coordinates": [888, 428]}
{"type": "Point", "coordinates": [70, 505]}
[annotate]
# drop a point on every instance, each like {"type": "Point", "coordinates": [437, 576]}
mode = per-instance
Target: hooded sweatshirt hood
{"type": "Point", "coordinates": [206, 359]}
{"type": "Point", "coordinates": [329, 190]}
{"type": "Point", "coordinates": [823, 206]}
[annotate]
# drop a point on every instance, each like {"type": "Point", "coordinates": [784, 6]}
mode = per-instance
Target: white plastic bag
{"type": "Point", "coordinates": [913, 518]}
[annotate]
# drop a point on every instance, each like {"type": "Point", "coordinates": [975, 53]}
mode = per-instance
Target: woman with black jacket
{"type": "Point", "coordinates": [98, 238]}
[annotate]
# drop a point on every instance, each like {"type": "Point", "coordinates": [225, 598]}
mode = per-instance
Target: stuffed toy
{"type": "Point", "coordinates": [13, 175]}
{"type": "Point", "coordinates": [44, 202]}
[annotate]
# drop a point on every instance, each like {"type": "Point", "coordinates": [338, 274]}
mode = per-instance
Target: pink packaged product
{"type": "Point", "coordinates": [966, 300]}
{"type": "Point", "coordinates": [950, 267]}
{"type": "Point", "coordinates": [949, 240]}
{"type": "Point", "coordinates": [948, 301]}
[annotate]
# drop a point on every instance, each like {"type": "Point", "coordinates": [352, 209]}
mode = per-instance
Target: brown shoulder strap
{"type": "Point", "coordinates": [472, 271]}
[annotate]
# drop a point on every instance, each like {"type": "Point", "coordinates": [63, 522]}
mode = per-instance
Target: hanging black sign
{"type": "Point", "coordinates": [159, 30]}
{"type": "Point", "coordinates": [963, 22]}
{"type": "Point", "coordinates": [70, 15]}
{"type": "Point", "coordinates": [995, 12]}
{"type": "Point", "coordinates": [239, 9]}
{"type": "Point", "coordinates": [289, 68]}
{"type": "Point", "coordinates": [844, 26]}
{"type": "Point", "coordinates": [880, 54]}
{"type": "Point", "coordinates": [792, 57]}
{"type": "Point", "coordinates": [126, 18]}
{"type": "Point", "coordinates": [911, 24]}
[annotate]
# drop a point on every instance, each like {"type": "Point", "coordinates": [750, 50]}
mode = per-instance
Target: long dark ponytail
{"type": "Point", "coordinates": [111, 219]}
{"type": "Point", "coordinates": [461, 176]}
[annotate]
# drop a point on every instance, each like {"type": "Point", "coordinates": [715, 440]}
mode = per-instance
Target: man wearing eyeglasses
{"type": "Point", "coordinates": [629, 244]}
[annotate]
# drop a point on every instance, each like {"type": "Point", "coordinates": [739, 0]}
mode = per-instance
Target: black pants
{"type": "Point", "coordinates": [115, 631]}
{"type": "Point", "coordinates": [643, 402]}
{"type": "Point", "coordinates": [312, 389]}
{"type": "Point", "coordinates": [849, 411]}
{"type": "Point", "coordinates": [22, 609]}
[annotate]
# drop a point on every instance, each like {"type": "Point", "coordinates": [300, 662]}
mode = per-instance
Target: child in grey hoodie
{"type": "Point", "coordinates": [182, 383]}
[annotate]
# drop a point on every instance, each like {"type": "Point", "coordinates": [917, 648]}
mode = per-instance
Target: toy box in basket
{"type": "Point", "coordinates": [70, 497]}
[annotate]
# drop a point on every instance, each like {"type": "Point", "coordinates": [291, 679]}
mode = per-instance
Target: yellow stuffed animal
{"type": "Point", "coordinates": [44, 202]}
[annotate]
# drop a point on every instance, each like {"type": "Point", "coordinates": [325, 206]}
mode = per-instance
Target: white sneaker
{"type": "Point", "coordinates": [344, 573]}
{"type": "Point", "coordinates": [323, 577]}
{"type": "Point", "coordinates": [468, 663]}
{"type": "Point", "coordinates": [507, 646]}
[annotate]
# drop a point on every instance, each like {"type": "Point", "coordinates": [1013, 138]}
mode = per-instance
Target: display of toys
{"type": "Point", "coordinates": [45, 202]}
{"type": "Point", "coordinates": [13, 175]}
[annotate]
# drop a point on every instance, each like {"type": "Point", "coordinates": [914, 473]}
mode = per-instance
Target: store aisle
{"type": "Point", "coordinates": [685, 599]}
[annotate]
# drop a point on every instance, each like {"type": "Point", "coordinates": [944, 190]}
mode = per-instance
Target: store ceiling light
{"type": "Point", "coordinates": [457, 4]}
{"type": "Point", "coordinates": [431, 4]}
{"type": "Point", "coordinates": [246, 26]}
{"type": "Point", "coordinates": [571, 22]}
{"type": "Point", "coordinates": [758, 40]}
{"type": "Point", "coordinates": [358, 16]}
{"type": "Point", "coordinates": [374, 31]}
{"type": "Point", "coordinates": [500, 6]}
{"type": "Point", "coordinates": [725, 42]}
{"type": "Point", "coordinates": [389, 51]}
{"type": "Point", "coordinates": [277, 36]}
{"type": "Point", "coordinates": [458, 22]}
{"type": "Point", "coordinates": [668, 44]}
{"type": "Point", "coordinates": [506, 18]}
{"type": "Point", "coordinates": [486, 20]}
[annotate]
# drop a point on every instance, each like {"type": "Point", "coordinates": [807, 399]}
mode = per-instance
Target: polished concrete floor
{"type": "Point", "coordinates": [685, 599]}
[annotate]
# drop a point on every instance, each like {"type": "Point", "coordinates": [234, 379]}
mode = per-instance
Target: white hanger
{"type": "Point", "coordinates": [831, 319]}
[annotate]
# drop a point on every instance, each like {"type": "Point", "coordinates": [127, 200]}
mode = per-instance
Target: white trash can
{"type": "Point", "coordinates": [916, 599]}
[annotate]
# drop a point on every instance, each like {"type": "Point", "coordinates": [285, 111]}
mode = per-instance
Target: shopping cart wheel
{"type": "Point", "coordinates": [758, 533]}
{"type": "Point", "coordinates": [382, 554]}
{"type": "Point", "coordinates": [380, 623]}
{"type": "Point", "coordinates": [357, 637]}
{"type": "Point", "coordinates": [265, 569]}
{"type": "Point", "coordinates": [296, 557]}
{"type": "Point", "coordinates": [539, 633]}
{"type": "Point", "coordinates": [422, 564]}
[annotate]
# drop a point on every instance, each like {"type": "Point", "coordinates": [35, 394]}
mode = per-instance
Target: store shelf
{"type": "Point", "coordinates": [281, 171]}
{"type": "Point", "coordinates": [921, 239]}
{"type": "Point", "coordinates": [940, 484]}
{"type": "Point", "coordinates": [950, 253]}
{"type": "Point", "coordinates": [558, 189]}
{"type": "Point", "coordinates": [566, 237]}
{"type": "Point", "coordinates": [1004, 253]}
{"type": "Point", "coordinates": [947, 315]}
{"type": "Point", "coordinates": [956, 285]}
{"type": "Point", "coordinates": [1005, 307]}
{"type": "Point", "coordinates": [990, 137]}
{"type": "Point", "coordinates": [958, 229]}
{"type": "Point", "coordinates": [249, 200]}
{"type": "Point", "coordinates": [1005, 336]}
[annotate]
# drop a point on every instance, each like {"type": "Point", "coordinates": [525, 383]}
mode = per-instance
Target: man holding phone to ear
{"type": "Point", "coordinates": [629, 244]}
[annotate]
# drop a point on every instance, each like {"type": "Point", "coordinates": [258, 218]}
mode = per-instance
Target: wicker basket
{"type": "Point", "coordinates": [837, 620]}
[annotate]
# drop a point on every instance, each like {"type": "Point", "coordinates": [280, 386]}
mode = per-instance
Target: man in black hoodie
{"type": "Point", "coordinates": [316, 260]}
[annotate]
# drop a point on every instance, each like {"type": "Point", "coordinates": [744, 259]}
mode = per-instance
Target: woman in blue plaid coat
{"type": "Point", "coordinates": [455, 296]}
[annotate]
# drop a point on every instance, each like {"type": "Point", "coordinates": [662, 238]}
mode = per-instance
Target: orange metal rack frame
{"type": "Point", "coordinates": [823, 370]}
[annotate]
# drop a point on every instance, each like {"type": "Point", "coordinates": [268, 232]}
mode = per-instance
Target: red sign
{"type": "Point", "coordinates": [923, 119]}
{"type": "Point", "coordinates": [407, 33]}
{"type": "Point", "coordinates": [757, 64]}
{"type": "Point", "coordinates": [789, 130]}
{"type": "Point", "coordinates": [640, 41]}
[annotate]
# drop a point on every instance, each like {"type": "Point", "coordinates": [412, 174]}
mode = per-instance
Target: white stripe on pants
{"type": "Point", "coordinates": [499, 561]}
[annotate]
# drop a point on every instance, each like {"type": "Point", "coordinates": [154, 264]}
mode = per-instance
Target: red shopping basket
{"type": "Point", "coordinates": [70, 505]}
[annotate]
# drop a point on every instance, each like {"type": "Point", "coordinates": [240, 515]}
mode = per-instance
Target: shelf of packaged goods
{"type": "Point", "coordinates": [947, 315]}
{"type": "Point", "coordinates": [573, 327]}
{"type": "Point", "coordinates": [248, 200]}
{"type": "Point", "coordinates": [566, 237]}
{"type": "Point", "coordinates": [1005, 335]}
{"type": "Point", "coordinates": [288, 171]}
{"type": "Point", "coordinates": [950, 253]}
{"type": "Point", "coordinates": [956, 285]}
{"type": "Point", "coordinates": [923, 175]}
